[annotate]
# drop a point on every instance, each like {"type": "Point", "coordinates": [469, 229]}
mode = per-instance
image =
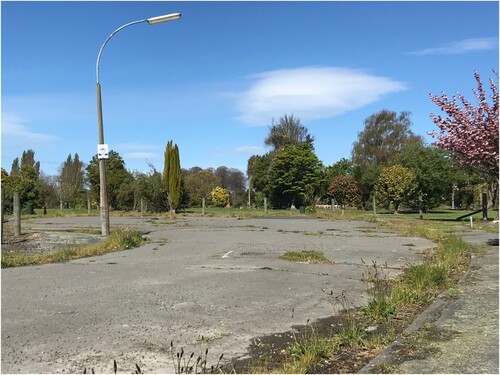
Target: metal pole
{"type": "Point", "coordinates": [103, 191]}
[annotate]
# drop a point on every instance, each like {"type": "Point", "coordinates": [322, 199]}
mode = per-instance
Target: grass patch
{"type": "Point", "coordinates": [117, 240]}
{"type": "Point", "coordinates": [305, 256]}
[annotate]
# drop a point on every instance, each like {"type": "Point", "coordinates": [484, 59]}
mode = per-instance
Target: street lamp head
{"type": "Point", "coordinates": [165, 18]}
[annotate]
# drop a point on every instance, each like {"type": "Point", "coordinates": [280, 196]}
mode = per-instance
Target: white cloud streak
{"type": "Point", "coordinates": [311, 93]}
{"type": "Point", "coordinates": [460, 47]}
{"type": "Point", "coordinates": [14, 131]}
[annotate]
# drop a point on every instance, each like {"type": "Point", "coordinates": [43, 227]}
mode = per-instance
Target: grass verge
{"type": "Point", "coordinates": [117, 240]}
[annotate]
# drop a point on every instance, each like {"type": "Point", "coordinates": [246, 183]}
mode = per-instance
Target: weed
{"type": "Point", "coordinates": [380, 307]}
{"type": "Point", "coordinates": [306, 256]}
{"type": "Point", "coordinates": [188, 365]}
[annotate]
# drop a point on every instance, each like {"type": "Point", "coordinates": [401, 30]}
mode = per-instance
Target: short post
{"type": "Point", "coordinates": [484, 202]}
{"type": "Point", "coordinates": [471, 221]}
{"type": "Point", "coordinates": [88, 204]}
{"type": "Point", "coordinates": [203, 206]}
{"type": "Point", "coordinates": [17, 214]}
{"type": "Point", "coordinates": [143, 206]}
{"type": "Point", "coordinates": [420, 206]}
{"type": "Point", "coordinates": [374, 203]}
{"type": "Point", "coordinates": [265, 205]}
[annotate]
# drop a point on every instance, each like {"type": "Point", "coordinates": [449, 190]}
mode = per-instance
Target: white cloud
{"type": "Point", "coordinates": [311, 93]}
{"type": "Point", "coordinates": [14, 131]}
{"type": "Point", "coordinates": [460, 47]}
{"type": "Point", "coordinates": [250, 150]}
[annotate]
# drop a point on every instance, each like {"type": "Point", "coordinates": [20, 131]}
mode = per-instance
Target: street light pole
{"type": "Point", "coordinates": [103, 194]}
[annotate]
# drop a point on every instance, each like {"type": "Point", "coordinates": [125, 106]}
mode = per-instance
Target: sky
{"type": "Point", "coordinates": [216, 79]}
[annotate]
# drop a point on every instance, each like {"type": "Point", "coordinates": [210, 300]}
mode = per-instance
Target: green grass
{"type": "Point", "coordinates": [305, 256]}
{"type": "Point", "coordinates": [118, 240]}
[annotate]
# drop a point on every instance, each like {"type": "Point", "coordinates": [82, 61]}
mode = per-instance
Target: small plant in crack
{"type": "Point", "coordinates": [186, 364]}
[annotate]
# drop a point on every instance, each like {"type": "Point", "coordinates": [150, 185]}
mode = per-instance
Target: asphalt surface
{"type": "Point", "coordinates": [201, 282]}
{"type": "Point", "coordinates": [459, 332]}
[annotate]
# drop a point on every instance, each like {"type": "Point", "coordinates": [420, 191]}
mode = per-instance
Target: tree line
{"type": "Point", "coordinates": [388, 162]}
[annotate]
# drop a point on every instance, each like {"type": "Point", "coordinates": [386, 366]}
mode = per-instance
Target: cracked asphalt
{"type": "Point", "coordinates": [214, 283]}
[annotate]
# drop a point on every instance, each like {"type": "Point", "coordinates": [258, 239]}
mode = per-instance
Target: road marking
{"type": "Point", "coordinates": [226, 254]}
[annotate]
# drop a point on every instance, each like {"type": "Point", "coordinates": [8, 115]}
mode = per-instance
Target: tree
{"type": "Point", "coordinates": [384, 135]}
{"type": "Point", "coordinates": [172, 175]}
{"type": "Point", "coordinates": [433, 171]}
{"type": "Point", "coordinates": [471, 132]}
{"type": "Point", "coordinates": [220, 196]}
{"type": "Point", "coordinates": [116, 176]}
{"type": "Point", "coordinates": [395, 185]}
{"type": "Point", "coordinates": [288, 131]}
{"type": "Point", "coordinates": [295, 176]}
{"type": "Point", "coordinates": [344, 189]}
{"type": "Point", "coordinates": [71, 177]}
{"type": "Point", "coordinates": [24, 178]}
{"type": "Point", "coordinates": [149, 189]}
{"type": "Point", "coordinates": [199, 185]}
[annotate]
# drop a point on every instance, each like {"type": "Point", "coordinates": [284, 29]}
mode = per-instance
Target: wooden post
{"type": "Point", "coordinates": [374, 203]}
{"type": "Point", "coordinates": [88, 204]}
{"type": "Point", "coordinates": [265, 205]}
{"type": "Point", "coordinates": [143, 206]}
{"type": "Point", "coordinates": [484, 203]}
{"type": "Point", "coordinates": [420, 206]}
{"type": "Point", "coordinates": [203, 206]}
{"type": "Point", "coordinates": [17, 214]}
{"type": "Point", "coordinates": [333, 204]}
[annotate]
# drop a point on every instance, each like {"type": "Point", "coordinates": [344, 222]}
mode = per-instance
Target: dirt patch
{"type": "Point", "coordinates": [47, 242]}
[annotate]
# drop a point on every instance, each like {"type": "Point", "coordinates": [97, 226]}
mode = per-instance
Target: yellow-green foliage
{"type": "Point", "coordinates": [395, 185]}
{"type": "Point", "coordinates": [220, 196]}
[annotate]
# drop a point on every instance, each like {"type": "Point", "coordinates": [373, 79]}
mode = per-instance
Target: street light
{"type": "Point", "coordinates": [103, 205]}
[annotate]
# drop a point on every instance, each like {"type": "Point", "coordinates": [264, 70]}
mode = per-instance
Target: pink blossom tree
{"type": "Point", "coordinates": [471, 132]}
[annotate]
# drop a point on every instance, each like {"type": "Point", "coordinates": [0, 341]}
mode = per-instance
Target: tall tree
{"type": "Point", "coordinates": [471, 131]}
{"type": "Point", "coordinates": [172, 175]}
{"type": "Point", "coordinates": [119, 179]}
{"type": "Point", "coordinates": [433, 171]}
{"type": "Point", "coordinates": [384, 135]}
{"type": "Point", "coordinates": [71, 176]}
{"type": "Point", "coordinates": [295, 176]}
{"type": "Point", "coordinates": [288, 131]}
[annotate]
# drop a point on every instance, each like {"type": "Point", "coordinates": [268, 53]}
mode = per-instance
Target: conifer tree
{"type": "Point", "coordinates": [171, 177]}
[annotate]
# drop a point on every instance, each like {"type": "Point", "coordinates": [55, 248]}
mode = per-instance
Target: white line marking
{"type": "Point", "coordinates": [226, 254]}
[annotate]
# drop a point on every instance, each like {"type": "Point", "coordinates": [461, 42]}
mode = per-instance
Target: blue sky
{"type": "Point", "coordinates": [214, 80]}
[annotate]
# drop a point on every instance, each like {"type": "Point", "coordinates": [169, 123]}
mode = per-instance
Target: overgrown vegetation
{"type": "Point", "coordinates": [305, 256]}
{"type": "Point", "coordinates": [121, 239]}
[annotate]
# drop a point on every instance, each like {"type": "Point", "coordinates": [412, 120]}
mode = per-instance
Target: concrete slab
{"type": "Point", "coordinates": [200, 282]}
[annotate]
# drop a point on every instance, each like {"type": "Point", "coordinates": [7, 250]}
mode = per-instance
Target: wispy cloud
{"type": "Point", "coordinates": [460, 47]}
{"type": "Point", "coordinates": [15, 131]}
{"type": "Point", "coordinates": [250, 150]}
{"type": "Point", "coordinates": [311, 93]}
